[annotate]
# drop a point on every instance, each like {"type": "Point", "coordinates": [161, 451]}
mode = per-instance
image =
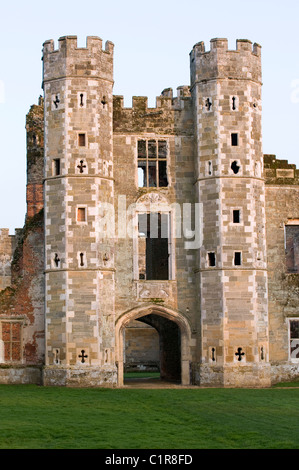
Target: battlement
{"type": "Point", "coordinates": [169, 114]}
{"type": "Point", "coordinates": [165, 101]}
{"type": "Point", "coordinates": [244, 62]}
{"type": "Point", "coordinates": [71, 60]}
{"type": "Point", "coordinates": [69, 44]}
{"type": "Point", "coordinates": [280, 171]}
{"type": "Point", "coordinates": [222, 44]}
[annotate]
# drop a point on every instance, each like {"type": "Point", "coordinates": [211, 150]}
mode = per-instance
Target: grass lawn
{"type": "Point", "coordinates": [33, 417]}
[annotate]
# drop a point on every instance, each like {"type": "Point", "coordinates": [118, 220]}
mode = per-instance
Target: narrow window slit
{"type": "Point", "coordinates": [212, 259]}
{"type": "Point", "coordinates": [56, 166]}
{"type": "Point", "coordinates": [236, 216]}
{"type": "Point", "coordinates": [82, 140]}
{"type": "Point", "coordinates": [234, 140]}
{"type": "Point", "coordinates": [237, 258]}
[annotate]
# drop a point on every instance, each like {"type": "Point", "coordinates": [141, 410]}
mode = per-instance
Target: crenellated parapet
{"type": "Point", "coordinates": [69, 60]}
{"type": "Point", "coordinates": [219, 62]}
{"type": "Point", "coordinates": [168, 112]}
{"type": "Point", "coordinates": [280, 172]}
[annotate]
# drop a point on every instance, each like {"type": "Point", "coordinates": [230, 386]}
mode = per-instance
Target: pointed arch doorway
{"type": "Point", "coordinates": [174, 335]}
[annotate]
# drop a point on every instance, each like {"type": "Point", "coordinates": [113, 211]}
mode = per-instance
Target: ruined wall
{"type": "Point", "coordinates": [22, 273]}
{"type": "Point", "coordinates": [22, 309]}
{"type": "Point", "coordinates": [35, 158]}
{"type": "Point", "coordinates": [282, 209]}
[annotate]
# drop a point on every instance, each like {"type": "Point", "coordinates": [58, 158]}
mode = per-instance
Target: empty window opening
{"type": "Point", "coordinates": [294, 339]}
{"type": "Point", "coordinates": [81, 259]}
{"type": "Point", "coordinates": [11, 337]}
{"type": "Point", "coordinates": [237, 258]}
{"type": "Point", "coordinates": [236, 216]}
{"type": "Point", "coordinates": [153, 246]}
{"type": "Point", "coordinates": [209, 168]}
{"type": "Point", "coordinates": [81, 100]}
{"type": "Point", "coordinates": [81, 140]}
{"type": "Point", "coordinates": [234, 103]}
{"type": "Point", "coordinates": [152, 163]}
{"type": "Point", "coordinates": [292, 248]}
{"type": "Point", "coordinates": [234, 140]}
{"type": "Point", "coordinates": [212, 259]}
{"type": "Point", "coordinates": [235, 167]}
{"type": "Point", "coordinates": [81, 214]}
{"type": "Point", "coordinates": [56, 166]}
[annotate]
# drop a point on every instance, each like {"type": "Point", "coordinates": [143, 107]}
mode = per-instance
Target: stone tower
{"type": "Point", "coordinates": [226, 95]}
{"type": "Point", "coordinates": [79, 262]}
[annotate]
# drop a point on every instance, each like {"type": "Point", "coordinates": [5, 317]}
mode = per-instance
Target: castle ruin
{"type": "Point", "coordinates": [169, 218]}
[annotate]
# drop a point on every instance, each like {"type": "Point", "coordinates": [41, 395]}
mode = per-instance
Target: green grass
{"type": "Point", "coordinates": [294, 383]}
{"type": "Point", "coordinates": [33, 417]}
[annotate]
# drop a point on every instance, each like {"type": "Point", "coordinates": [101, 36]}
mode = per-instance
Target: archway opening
{"type": "Point", "coordinates": [152, 348]}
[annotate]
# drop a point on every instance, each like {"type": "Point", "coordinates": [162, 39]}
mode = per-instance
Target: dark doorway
{"type": "Point", "coordinates": [169, 347]}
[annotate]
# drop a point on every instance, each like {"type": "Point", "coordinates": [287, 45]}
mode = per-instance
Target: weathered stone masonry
{"type": "Point", "coordinates": [226, 311]}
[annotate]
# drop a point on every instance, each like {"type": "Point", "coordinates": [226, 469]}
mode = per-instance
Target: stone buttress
{"type": "Point", "coordinates": [226, 93]}
{"type": "Point", "coordinates": [78, 188]}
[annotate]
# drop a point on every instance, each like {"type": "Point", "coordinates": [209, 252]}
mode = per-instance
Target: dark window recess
{"type": "Point", "coordinates": [212, 259]}
{"type": "Point", "coordinates": [236, 216]}
{"type": "Point", "coordinates": [162, 174]}
{"type": "Point", "coordinates": [81, 140]}
{"type": "Point", "coordinates": [154, 227]}
{"type": "Point", "coordinates": [57, 166]}
{"type": "Point", "coordinates": [237, 258]}
{"type": "Point", "coordinates": [152, 163]}
{"type": "Point", "coordinates": [235, 140]}
{"type": "Point", "coordinates": [292, 248]}
{"type": "Point", "coordinates": [235, 167]}
{"type": "Point", "coordinates": [81, 259]}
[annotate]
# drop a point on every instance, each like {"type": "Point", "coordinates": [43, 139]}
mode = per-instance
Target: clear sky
{"type": "Point", "coordinates": [152, 43]}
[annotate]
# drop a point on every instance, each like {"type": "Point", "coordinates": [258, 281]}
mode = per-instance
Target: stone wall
{"type": "Point", "coordinates": [282, 208]}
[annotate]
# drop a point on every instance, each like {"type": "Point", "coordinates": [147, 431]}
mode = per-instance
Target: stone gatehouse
{"type": "Point", "coordinates": [166, 228]}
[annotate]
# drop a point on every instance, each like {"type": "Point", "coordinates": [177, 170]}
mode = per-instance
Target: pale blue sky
{"type": "Point", "coordinates": [152, 44]}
